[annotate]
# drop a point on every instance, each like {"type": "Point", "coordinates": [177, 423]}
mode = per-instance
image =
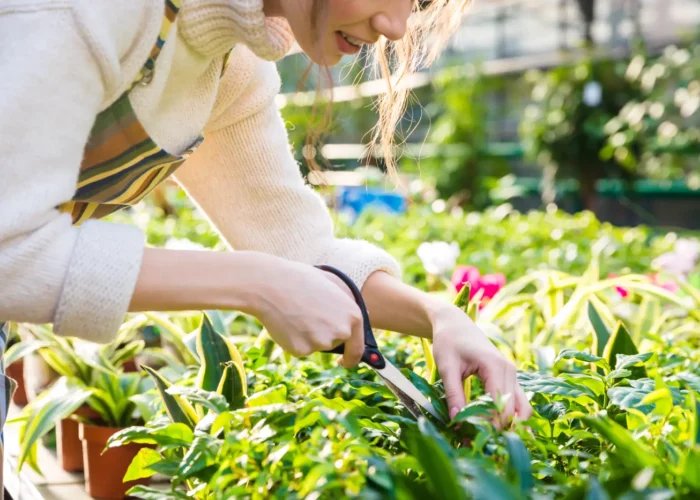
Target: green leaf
{"type": "Point", "coordinates": [601, 331]}
{"type": "Point", "coordinates": [485, 485]}
{"type": "Point", "coordinates": [551, 411]}
{"type": "Point", "coordinates": [631, 453]}
{"type": "Point", "coordinates": [207, 399]}
{"type": "Point", "coordinates": [167, 436]}
{"type": "Point", "coordinates": [201, 454]}
{"type": "Point", "coordinates": [59, 402]}
{"type": "Point", "coordinates": [632, 396]}
{"type": "Point", "coordinates": [433, 454]}
{"type": "Point", "coordinates": [544, 384]}
{"type": "Point", "coordinates": [615, 374]}
{"type": "Point", "coordinates": [272, 395]}
{"type": "Point", "coordinates": [627, 361]}
{"type": "Point", "coordinates": [580, 356]}
{"type": "Point", "coordinates": [214, 351]}
{"type": "Point", "coordinates": [519, 462]}
{"type": "Point", "coordinates": [232, 386]}
{"type": "Point", "coordinates": [178, 410]}
{"type": "Point", "coordinates": [430, 365]}
{"type": "Point", "coordinates": [318, 472]}
{"type": "Point", "coordinates": [22, 349]}
{"type": "Point", "coordinates": [217, 320]}
{"type": "Point", "coordinates": [138, 469]}
{"type": "Point", "coordinates": [621, 343]}
{"type": "Point", "coordinates": [173, 334]}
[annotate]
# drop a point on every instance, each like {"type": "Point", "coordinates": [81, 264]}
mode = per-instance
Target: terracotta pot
{"type": "Point", "coordinates": [68, 446]}
{"type": "Point", "coordinates": [16, 372]}
{"type": "Point", "coordinates": [104, 471]}
{"type": "Point", "coordinates": [130, 366]}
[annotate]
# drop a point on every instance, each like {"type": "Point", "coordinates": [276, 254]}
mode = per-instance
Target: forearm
{"type": "Point", "coordinates": [185, 280]}
{"type": "Point", "coordinates": [398, 307]}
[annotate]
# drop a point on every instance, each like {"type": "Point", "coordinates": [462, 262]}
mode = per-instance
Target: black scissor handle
{"type": "Point", "coordinates": [371, 356]}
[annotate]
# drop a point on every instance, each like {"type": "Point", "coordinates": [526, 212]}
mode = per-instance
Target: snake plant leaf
{"type": "Point", "coordinates": [602, 335]}
{"type": "Point", "coordinates": [621, 343]}
{"type": "Point", "coordinates": [214, 351]}
{"type": "Point", "coordinates": [179, 410]}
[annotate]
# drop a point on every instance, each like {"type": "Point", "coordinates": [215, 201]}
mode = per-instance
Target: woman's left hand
{"type": "Point", "coordinates": [461, 349]}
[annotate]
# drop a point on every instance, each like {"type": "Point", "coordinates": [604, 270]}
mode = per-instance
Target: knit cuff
{"type": "Point", "coordinates": [359, 259]}
{"type": "Point", "coordinates": [100, 281]}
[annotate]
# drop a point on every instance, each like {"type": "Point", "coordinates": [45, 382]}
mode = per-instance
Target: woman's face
{"type": "Point", "coordinates": [345, 25]}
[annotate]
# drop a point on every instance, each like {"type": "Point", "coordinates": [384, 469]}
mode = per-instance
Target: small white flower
{"type": "Point", "coordinates": [682, 260]}
{"type": "Point", "coordinates": [438, 257]}
{"type": "Point", "coordinates": [182, 244]}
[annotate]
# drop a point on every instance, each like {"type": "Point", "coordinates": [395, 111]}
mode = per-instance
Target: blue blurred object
{"type": "Point", "coordinates": [354, 200]}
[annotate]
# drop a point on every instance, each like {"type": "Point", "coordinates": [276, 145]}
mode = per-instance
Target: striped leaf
{"type": "Point", "coordinates": [179, 410]}
{"type": "Point", "coordinates": [214, 351]}
{"type": "Point", "coordinates": [232, 386]}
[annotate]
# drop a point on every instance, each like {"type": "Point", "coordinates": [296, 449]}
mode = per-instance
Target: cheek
{"type": "Point", "coordinates": [348, 12]}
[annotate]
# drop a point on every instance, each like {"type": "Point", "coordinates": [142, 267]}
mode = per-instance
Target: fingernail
{"type": "Point", "coordinates": [453, 412]}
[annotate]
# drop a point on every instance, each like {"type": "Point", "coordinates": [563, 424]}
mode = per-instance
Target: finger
{"type": "Point", "coordinates": [453, 382]}
{"type": "Point", "coordinates": [522, 405]}
{"type": "Point", "coordinates": [509, 393]}
{"type": "Point", "coordinates": [355, 346]}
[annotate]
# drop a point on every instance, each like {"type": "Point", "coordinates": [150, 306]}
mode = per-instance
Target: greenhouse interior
{"type": "Point", "coordinates": [519, 260]}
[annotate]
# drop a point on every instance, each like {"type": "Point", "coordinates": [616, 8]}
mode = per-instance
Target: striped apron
{"type": "Point", "coordinates": [121, 163]}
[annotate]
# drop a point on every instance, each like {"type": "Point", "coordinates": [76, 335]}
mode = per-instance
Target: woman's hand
{"type": "Point", "coordinates": [461, 349]}
{"type": "Point", "coordinates": [305, 311]}
{"type": "Point", "coordinates": [459, 346]}
{"type": "Point", "coordinates": [303, 308]}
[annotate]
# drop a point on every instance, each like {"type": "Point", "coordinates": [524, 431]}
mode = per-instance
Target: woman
{"type": "Point", "coordinates": [99, 102]}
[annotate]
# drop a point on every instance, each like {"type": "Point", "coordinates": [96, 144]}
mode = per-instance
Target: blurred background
{"type": "Point", "coordinates": [579, 104]}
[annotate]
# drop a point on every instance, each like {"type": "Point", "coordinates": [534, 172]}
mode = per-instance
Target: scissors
{"type": "Point", "coordinates": [405, 391]}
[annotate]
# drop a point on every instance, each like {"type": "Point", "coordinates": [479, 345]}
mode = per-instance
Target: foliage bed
{"type": "Point", "coordinates": [614, 379]}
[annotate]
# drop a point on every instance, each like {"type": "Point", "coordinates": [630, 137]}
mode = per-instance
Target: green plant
{"type": "Point", "coordinates": [462, 166]}
{"type": "Point", "coordinates": [657, 133]}
{"type": "Point", "coordinates": [563, 126]}
{"type": "Point", "coordinates": [89, 374]}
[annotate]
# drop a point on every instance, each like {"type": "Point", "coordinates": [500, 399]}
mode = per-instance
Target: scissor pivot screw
{"type": "Point", "coordinates": [374, 357]}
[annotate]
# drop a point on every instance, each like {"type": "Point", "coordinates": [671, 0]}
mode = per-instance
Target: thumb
{"type": "Point", "coordinates": [451, 375]}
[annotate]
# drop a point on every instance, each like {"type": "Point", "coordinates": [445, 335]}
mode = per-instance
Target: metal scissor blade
{"type": "Point", "coordinates": [407, 393]}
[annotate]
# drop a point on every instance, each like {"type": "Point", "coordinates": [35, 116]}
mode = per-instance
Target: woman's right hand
{"type": "Point", "coordinates": [306, 310]}
{"type": "Point", "coordinates": [303, 308]}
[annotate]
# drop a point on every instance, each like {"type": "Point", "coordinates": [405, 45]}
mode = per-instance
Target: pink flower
{"type": "Point", "coordinates": [655, 280]}
{"type": "Point", "coordinates": [489, 283]}
{"type": "Point", "coordinates": [621, 291]}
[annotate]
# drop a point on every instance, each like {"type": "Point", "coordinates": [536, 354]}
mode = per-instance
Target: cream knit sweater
{"type": "Point", "coordinates": [61, 62]}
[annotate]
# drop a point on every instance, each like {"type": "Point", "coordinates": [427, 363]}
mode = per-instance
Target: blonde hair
{"type": "Point", "coordinates": [431, 23]}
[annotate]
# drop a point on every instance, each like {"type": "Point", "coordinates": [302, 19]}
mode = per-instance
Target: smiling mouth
{"type": "Point", "coordinates": [348, 44]}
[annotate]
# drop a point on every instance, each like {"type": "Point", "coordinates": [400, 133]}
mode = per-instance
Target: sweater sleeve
{"type": "Point", "coordinates": [79, 278]}
{"type": "Point", "coordinates": [245, 178]}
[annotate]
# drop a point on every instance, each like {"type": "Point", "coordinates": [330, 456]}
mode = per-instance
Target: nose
{"type": "Point", "coordinates": [392, 23]}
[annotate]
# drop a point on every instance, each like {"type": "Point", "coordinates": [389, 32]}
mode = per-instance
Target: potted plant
{"type": "Point", "coordinates": [74, 360]}
{"type": "Point", "coordinates": [112, 397]}
{"type": "Point", "coordinates": [191, 407]}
